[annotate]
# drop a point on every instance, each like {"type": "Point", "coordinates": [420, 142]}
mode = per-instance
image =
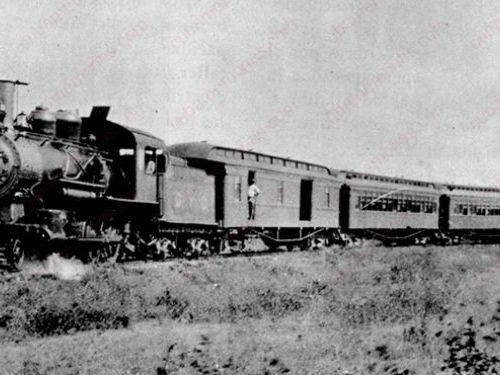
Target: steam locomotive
{"type": "Point", "coordinates": [93, 188]}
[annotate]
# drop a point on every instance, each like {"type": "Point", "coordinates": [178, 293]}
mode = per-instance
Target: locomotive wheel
{"type": "Point", "coordinates": [15, 253]}
{"type": "Point", "coordinates": [106, 252]}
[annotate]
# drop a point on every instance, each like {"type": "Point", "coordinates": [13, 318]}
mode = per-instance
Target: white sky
{"type": "Point", "coordinates": [385, 86]}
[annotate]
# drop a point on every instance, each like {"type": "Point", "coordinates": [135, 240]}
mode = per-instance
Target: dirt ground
{"type": "Point", "coordinates": [363, 310]}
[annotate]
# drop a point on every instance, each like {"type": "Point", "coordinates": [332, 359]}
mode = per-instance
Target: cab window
{"type": "Point", "coordinates": [149, 160]}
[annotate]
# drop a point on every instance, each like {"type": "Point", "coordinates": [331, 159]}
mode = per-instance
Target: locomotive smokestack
{"type": "Point", "coordinates": [7, 89]}
{"type": "Point", "coordinates": [7, 93]}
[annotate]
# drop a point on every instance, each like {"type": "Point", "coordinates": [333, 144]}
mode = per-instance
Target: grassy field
{"type": "Point", "coordinates": [366, 310]}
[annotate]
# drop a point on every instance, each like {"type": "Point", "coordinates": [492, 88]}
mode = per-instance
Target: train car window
{"type": "Point", "coordinates": [281, 192]}
{"type": "Point", "coordinates": [327, 197]}
{"type": "Point", "coordinates": [149, 160]}
{"type": "Point", "coordinates": [390, 204]}
{"type": "Point", "coordinates": [237, 188]}
{"type": "Point", "coordinates": [381, 204]}
{"type": "Point", "coordinates": [404, 205]}
{"type": "Point", "coordinates": [364, 202]}
{"type": "Point", "coordinates": [418, 206]}
{"type": "Point", "coordinates": [411, 206]}
{"type": "Point", "coordinates": [126, 152]}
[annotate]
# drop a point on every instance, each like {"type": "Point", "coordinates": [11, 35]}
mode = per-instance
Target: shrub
{"type": "Point", "coordinates": [44, 307]}
{"type": "Point", "coordinates": [464, 355]}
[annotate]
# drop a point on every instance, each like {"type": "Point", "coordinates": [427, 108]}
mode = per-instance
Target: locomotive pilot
{"type": "Point", "coordinates": [253, 192]}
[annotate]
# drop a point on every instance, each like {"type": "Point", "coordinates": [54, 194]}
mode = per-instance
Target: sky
{"type": "Point", "coordinates": [394, 87]}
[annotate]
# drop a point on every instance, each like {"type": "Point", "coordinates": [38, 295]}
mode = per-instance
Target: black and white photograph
{"type": "Point", "coordinates": [256, 187]}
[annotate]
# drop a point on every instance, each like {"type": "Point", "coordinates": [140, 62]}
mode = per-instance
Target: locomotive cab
{"type": "Point", "coordinates": [139, 159]}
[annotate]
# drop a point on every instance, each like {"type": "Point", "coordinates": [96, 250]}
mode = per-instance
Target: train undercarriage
{"type": "Point", "coordinates": [99, 238]}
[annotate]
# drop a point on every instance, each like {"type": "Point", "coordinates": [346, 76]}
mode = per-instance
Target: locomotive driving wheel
{"type": "Point", "coordinates": [15, 253]}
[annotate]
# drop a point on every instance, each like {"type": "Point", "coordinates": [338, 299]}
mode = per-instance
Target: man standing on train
{"type": "Point", "coordinates": [253, 192]}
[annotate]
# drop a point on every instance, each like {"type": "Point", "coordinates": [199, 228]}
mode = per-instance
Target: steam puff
{"type": "Point", "coordinates": [64, 269]}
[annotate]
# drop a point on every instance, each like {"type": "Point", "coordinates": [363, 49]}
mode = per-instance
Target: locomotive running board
{"type": "Point", "coordinates": [114, 200]}
{"type": "Point", "coordinates": [124, 200]}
